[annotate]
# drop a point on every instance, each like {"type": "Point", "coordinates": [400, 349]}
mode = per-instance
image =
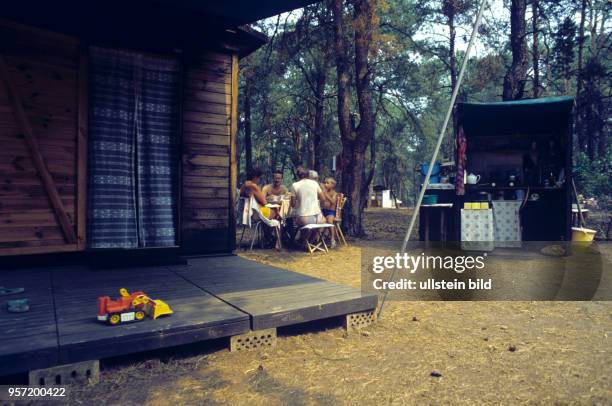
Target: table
{"type": "Point", "coordinates": [281, 207]}
{"type": "Point", "coordinates": [425, 216]}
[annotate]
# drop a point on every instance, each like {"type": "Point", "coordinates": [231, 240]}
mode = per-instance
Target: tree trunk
{"type": "Point", "coordinates": [248, 148]}
{"type": "Point", "coordinates": [591, 102]}
{"type": "Point", "coordinates": [579, 99]}
{"type": "Point", "coordinates": [273, 154]}
{"type": "Point", "coordinates": [342, 72]}
{"type": "Point", "coordinates": [535, 26]}
{"type": "Point", "coordinates": [514, 81]}
{"type": "Point", "coordinates": [311, 150]}
{"type": "Point", "coordinates": [354, 139]}
{"type": "Point", "coordinates": [450, 11]}
{"type": "Point", "coordinates": [296, 155]}
{"type": "Point", "coordinates": [365, 11]}
{"type": "Point", "coordinates": [318, 120]}
{"type": "Point", "coordinates": [344, 114]}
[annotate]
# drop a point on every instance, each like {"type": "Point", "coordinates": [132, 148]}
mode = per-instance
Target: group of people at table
{"type": "Point", "coordinates": [308, 201]}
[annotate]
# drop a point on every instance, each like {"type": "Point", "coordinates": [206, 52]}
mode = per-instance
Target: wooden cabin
{"type": "Point", "coordinates": [118, 126]}
{"type": "Point", "coordinates": [118, 123]}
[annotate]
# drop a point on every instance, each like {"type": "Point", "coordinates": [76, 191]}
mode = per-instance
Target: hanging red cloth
{"type": "Point", "coordinates": [461, 150]}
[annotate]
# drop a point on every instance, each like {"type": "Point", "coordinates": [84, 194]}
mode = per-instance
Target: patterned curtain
{"type": "Point", "coordinates": [156, 126]}
{"type": "Point", "coordinates": [132, 150]}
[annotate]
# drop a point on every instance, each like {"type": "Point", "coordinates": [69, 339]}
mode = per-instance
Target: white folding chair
{"type": "Point", "coordinates": [250, 216]}
{"type": "Point", "coordinates": [319, 244]}
{"type": "Point", "coordinates": [261, 219]}
{"type": "Point", "coordinates": [241, 219]}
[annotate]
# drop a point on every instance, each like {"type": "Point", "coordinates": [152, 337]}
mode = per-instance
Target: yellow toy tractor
{"type": "Point", "coordinates": [130, 307]}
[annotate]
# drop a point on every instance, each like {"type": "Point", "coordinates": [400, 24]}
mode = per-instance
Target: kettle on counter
{"type": "Point", "coordinates": [473, 179]}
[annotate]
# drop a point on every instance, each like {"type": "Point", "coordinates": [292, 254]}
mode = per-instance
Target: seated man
{"type": "Point", "coordinates": [276, 189]}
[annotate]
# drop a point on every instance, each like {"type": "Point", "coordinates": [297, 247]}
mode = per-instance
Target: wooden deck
{"type": "Point", "coordinates": [273, 297]}
{"type": "Point", "coordinates": [211, 297]}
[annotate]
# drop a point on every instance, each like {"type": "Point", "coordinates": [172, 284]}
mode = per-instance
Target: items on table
{"type": "Point", "coordinates": [476, 205]}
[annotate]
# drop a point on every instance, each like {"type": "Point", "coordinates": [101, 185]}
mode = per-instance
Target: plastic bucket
{"type": "Point", "coordinates": [582, 234]}
{"type": "Point", "coordinates": [434, 172]}
{"type": "Point", "coordinates": [430, 199]}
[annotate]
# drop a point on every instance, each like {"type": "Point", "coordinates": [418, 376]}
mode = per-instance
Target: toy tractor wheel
{"type": "Point", "coordinates": [114, 319]}
{"type": "Point", "coordinates": [139, 315]}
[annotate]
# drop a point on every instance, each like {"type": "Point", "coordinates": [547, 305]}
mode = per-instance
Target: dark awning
{"type": "Point", "coordinates": [153, 24]}
{"type": "Point", "coordinates": [532, 116]}
{"type": "Point", "coordinates": [240, 11]}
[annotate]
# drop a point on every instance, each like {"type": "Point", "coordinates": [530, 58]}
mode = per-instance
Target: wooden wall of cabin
{"type": "Point", "coordinates": [43, 155]}
{"type": "Point", "coordinates": [208, 152]}
{"type": "Point", "coordinates": [41, 109]}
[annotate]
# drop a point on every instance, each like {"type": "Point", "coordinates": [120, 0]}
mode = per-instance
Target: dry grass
{"type": "Point", "coordinates": [486, 352]}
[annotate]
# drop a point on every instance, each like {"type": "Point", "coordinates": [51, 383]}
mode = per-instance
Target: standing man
{"type": "Point", "coordinates": [276, 188]}
{"type": "Point", "coordinates": [305, 203]}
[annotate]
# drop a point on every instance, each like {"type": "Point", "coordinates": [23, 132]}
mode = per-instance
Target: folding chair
{"type": "Point", "coordinates": [260, 219]}
{"type": "Point", "coordinates": [340, 202]}
{"type": "Point", "coordinates": [242, 217]}
{"type": "Point", "coordinates": [249, 216]}
{"type": "Point", "coordinates": [319, 244]}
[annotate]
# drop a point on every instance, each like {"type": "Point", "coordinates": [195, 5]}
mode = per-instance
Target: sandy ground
{"type": "Point", "coordinates": [550, 353]}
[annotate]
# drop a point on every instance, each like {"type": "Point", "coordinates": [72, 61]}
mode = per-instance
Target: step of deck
{"type": "Point", "coordinates": [273, 297]}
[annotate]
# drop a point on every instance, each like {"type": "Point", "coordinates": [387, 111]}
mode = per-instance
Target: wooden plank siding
{"type": "Point", "coordinates": [209, 121]}
{"type": "Point", "coordinates": [48, 72]}
{"type": "Point", "coordinates": [39, 114]}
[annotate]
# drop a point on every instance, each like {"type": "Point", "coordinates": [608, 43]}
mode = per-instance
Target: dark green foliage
{"type": "Point", "coordinates": [411, 83]}
{"type": "Point", "coordinates": [594, 177]}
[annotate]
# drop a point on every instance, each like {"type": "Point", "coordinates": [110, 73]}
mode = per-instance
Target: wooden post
{"type": "Point", "coordinates": [81, 208]}
{"type": "Point", "coordinates": [233, 169]}
{"type": "Point", "coordinates": [39, 162]}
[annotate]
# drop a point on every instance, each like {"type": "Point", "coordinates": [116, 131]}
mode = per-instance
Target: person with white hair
{"type": "Point", "coordinates": [313, 175]}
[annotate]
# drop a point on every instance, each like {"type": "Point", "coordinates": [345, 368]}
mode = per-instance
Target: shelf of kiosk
{"type": "Point", "coordinates": [543, 219]}
{"type": "Point", "coordinates": [531, 188]}
{"type": "Point", "coordinates": [444, 191]}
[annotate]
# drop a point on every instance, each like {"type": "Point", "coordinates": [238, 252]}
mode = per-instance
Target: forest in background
{"type": "Point", "coordinates": [369, 82]}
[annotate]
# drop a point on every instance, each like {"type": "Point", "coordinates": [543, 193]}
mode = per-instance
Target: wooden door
{"type": "Point", "coordinates": [42, 151]}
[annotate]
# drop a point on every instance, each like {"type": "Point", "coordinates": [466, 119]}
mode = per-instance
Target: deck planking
{"type": "Point", "coordinates": [211, 297]}
{"type": "Point", "coordinates": [273, 297]}
{"type": "Point", "coordinates": [197, 314]}
{"type": "Point", "coordinates": [28, 340]}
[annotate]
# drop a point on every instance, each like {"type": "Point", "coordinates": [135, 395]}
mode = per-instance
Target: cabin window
{"type": "Point", "coordinates": [133, 154]}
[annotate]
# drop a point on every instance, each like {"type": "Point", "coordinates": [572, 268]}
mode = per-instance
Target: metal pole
{"type": "Point", "coordinates": [438, 144]}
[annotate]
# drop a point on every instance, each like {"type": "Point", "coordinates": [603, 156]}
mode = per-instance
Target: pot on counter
{"type": "Point", "coordinates": [473, 179]}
